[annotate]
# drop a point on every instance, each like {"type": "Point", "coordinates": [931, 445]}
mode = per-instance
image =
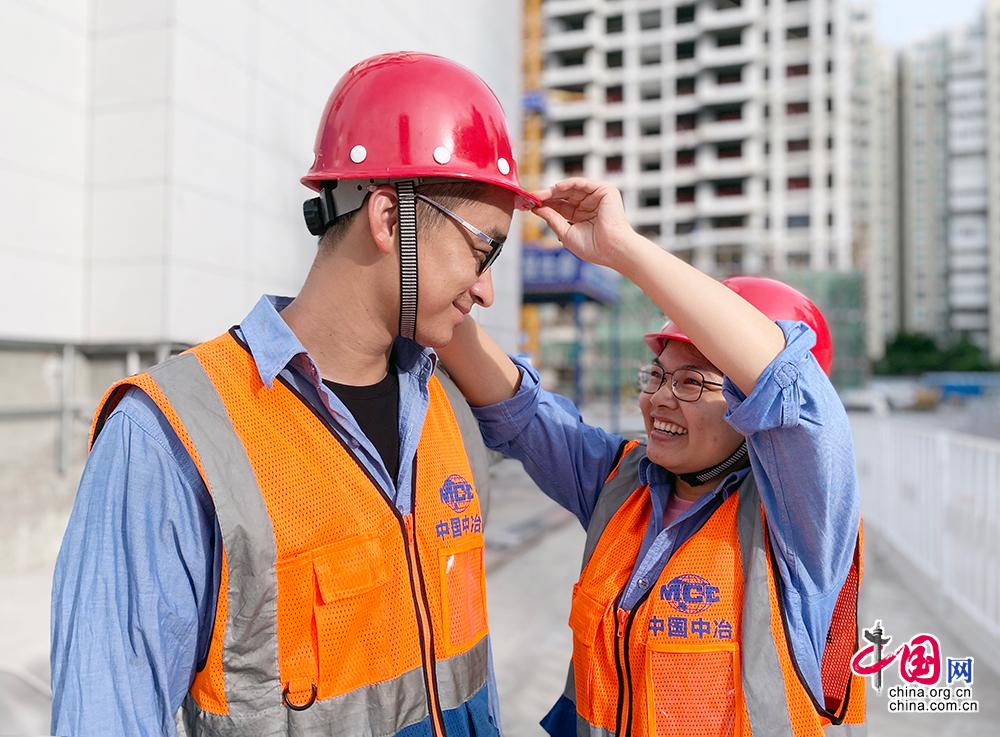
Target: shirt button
{"type": "Point", "coordinates": [643, 583]}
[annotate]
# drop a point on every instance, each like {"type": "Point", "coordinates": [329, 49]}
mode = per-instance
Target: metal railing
{"type": "Point", "coordinates": [934, 496]}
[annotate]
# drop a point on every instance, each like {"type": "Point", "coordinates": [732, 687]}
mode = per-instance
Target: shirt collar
{"type": "Point", "coordinates": [273, 344]}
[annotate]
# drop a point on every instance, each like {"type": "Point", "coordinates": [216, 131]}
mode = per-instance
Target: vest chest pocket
{"type": "Point", "coordinates": [337, 614]}
{"type": "Point", "coordinates": [585, 616]}
{"type": "Point", "coordinates": [692, 690]}
{"type": "Point", "coordinates": [463, 595]}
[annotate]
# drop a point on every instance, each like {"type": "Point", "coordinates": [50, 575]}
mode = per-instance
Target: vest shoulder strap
{"type": "Point", "coordinates": [472, 438]}
{"type": "Point", "coordinates": [621, 482]}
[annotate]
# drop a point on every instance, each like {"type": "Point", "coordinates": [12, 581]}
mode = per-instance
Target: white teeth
{"type": "Point", "coordinates": [669, 427]}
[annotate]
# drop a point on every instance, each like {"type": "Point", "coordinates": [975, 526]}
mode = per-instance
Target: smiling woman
{"type": "Point", "coordinates": [744, 433]}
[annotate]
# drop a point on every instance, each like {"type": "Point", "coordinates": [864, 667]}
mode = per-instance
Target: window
{"type": "Point", "coordinates": [684, 227]}
{"type": "Point", "coordinates": [796, 108]}
{"type": "Point", "coordinates": [651, 91]}
{"type": "Point", "coordinates": [573, 166]}
{"type": "Point", "coordinates": [614, 24]}
{"type": "Point", "coordinates": [796, 183]}
{"type": "Point", "coordinates": [729, 75]}
{"type": "Point", "coordinates": [729, 150]}
{"type": "Point", "coordinates": [797, 70]}
{"type": "Point", "coordinates": [685, 85]}
{"type": "Point", "coordinates": [613, 129]}
{"type": "Point", "coordinates": [727, 4]}
{"type": "Point", "coordinates": [798, 144]}
{"type": "Point", "coordinates": [649, 20]}
{"type": "Point", "coordinates": [652, 164]}
{"type": "Point", "coordinates": [650, 56]}
{"type": "Point", "coordinates": [685, 157]}
{"type": "Point", "coordinates": [571, 22]}
{"type": "Point", "coordinates": [686, 122]}
{"type": "Point", "coordinates": [829, 104]}
{"type": "Point", "coordinates": [613, 164]}
{"type": "Point", "coordinates": [572, 128]}
{"type": "Point", "coordinates": [797, 32]}
{"type": "Point", "coordinates": [684, 195]}
{"type": "Point", "coordinates": [829, 142]}
{"type": "Point", "coordinates": [685, 50]}
{"type": "Point", "coordinates": [829, 66]}
{"type": "Point", "coordinates": [649, 198]}
{"type": "Point", "coordinates": [685, 14]}
{"type": "Point", "coordinates": [614, 59]}
{"type": "Point", "coordinates": [649, 231]}
{"type": "Point", "coordinates": [574, 58]}
{"type": "Point", "coordinates": [728, 188]}
{"type": "Point", "coordinates": [797, 221]}
{"type": "Point", "coordinates": [730, 221]}
{"type": "Point", "coordinates": [650, 127]}
{"type": "Point", "coordinates": [729, 38]}
{"type": "Point", "coordinates": [729, 112]}
{"type": "Point", "coordinates": [614, 94]}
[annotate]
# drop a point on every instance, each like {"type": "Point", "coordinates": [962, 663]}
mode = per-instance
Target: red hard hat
{"type": "Point", "coordinates": [407, 115]}
{"type": "Point", "coordinates": [775, 299]}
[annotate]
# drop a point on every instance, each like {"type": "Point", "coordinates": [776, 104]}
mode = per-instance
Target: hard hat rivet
{"type": "Point", "coordinates": [442, 155]}
{"type": "Point", "coordinates": [358, 154]}
{"type": "Point", "coordinates": [503, 165]}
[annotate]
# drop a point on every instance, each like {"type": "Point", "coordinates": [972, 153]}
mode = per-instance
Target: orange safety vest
{"type": "Point", "coordinates": [334, 608]}
{"type": "Point", "coordinates": [704, 651]}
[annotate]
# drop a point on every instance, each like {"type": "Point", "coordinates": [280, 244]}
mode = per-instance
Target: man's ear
{"type": "Point", "coordinates": [382, 218]}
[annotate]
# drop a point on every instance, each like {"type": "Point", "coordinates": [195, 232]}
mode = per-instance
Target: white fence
{"type": "Point", "coordinates": [934, 496]}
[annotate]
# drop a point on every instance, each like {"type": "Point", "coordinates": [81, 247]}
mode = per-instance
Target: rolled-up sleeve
{"type": "Point", "coordinates": [802, 455]}
{"type": "Point", "coordinates": [567, 458]}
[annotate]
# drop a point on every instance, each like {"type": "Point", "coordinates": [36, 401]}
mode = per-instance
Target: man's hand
{"type": "Point", "coordinates": [588, 218]}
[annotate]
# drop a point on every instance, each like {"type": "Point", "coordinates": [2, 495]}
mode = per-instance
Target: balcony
{"type": "Point", "coordinates": [711, 205]}
{"type": "Point", "coordinates": [727, 130]}
{"type": "Point", "coordinates": [566, 107]}
{"type": "Point", "coordinates": [710, 19]}
{"type": "Point", "coordinates": [712, 93]}
{"type": "Point", "coordinates": [568, 7]}
{"type": "Point", "coordinates": [710, 55]}
{"type": "Point", "coordinates": [585, 38]}
{"type": "Point", "coordinates": [712, 167]}
{"type": "Point", "coordinates": [558, 145]}
{"type": "Point", "coordinates": [570, 75]}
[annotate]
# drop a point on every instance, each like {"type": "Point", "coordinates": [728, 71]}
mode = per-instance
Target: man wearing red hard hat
{"type": "Point", "coordinates": [718, 593]}
{"type": "Point", "coordinates": [279, 530]}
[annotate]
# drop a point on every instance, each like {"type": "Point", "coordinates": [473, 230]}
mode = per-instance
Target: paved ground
{"type": "Point", "coordinates": [533, 560]}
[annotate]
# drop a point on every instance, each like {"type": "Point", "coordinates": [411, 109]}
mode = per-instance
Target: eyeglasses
{"type": "Point", "coordinates": [686, 385]}
{"type": "Point", "coordinates": [494, 244]}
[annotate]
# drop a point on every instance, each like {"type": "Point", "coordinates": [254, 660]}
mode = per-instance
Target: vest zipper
{"type": "Point", "coordinates": [629, 621]}
{"type": "Point", "coordinates": [418, 590]}
{"type": "Point", "coordinates": [424, 628]}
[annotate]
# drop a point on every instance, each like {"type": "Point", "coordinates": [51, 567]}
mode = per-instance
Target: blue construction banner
{"type": "Point", "coordinates": [556, 275]}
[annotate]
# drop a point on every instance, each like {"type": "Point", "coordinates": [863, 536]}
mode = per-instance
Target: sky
{"type": "Point", "coordinates": [901, 21]}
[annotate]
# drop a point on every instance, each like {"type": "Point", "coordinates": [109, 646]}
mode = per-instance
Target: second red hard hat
{"type": "Point", "coordinates": [775, 299]}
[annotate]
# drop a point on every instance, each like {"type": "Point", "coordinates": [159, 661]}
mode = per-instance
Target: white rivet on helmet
{"type": "Point", "coordinates": [358, 154]}
{"type": "Point", "coordinates": [442, 155]}
{"type": "Point", "coordinates": [503, 165]}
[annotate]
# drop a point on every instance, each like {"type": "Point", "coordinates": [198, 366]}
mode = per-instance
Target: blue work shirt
{"type": "Point", "coordinates": [801, 454]}
{"type": "Point", "coordinates": [136, 581]}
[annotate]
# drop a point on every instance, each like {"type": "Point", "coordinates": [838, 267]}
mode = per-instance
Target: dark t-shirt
{"type": "Point", "coordinates": [376, 408]}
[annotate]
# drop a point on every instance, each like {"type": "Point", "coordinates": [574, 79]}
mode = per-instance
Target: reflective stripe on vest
{"type": "Point", "coordinates": [419, 576]}
{"type": "Point", "coordinates": [766, 676]}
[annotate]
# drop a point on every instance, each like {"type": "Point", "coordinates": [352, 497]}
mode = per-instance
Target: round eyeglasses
{"type": "Point", "coordinates": [687, 385]}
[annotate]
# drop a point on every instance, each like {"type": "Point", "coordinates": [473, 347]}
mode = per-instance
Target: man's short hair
{"type": "Point", "coordinates": [450, 194]}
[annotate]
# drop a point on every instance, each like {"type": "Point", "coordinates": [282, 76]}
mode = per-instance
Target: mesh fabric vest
{"type": "Point", "coordinates": [704, 652]}
{"type": "Point", "coordinates": [337, 614]}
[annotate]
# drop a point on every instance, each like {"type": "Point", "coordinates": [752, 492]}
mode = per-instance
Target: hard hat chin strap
{"type": "Point", "coordinates": [406, 199]}
{"type": "Point", "coordinates": [738, 459]}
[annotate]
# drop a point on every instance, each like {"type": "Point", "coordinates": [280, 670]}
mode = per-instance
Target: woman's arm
{"type": "Point", "coordinates": [589, 219]}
